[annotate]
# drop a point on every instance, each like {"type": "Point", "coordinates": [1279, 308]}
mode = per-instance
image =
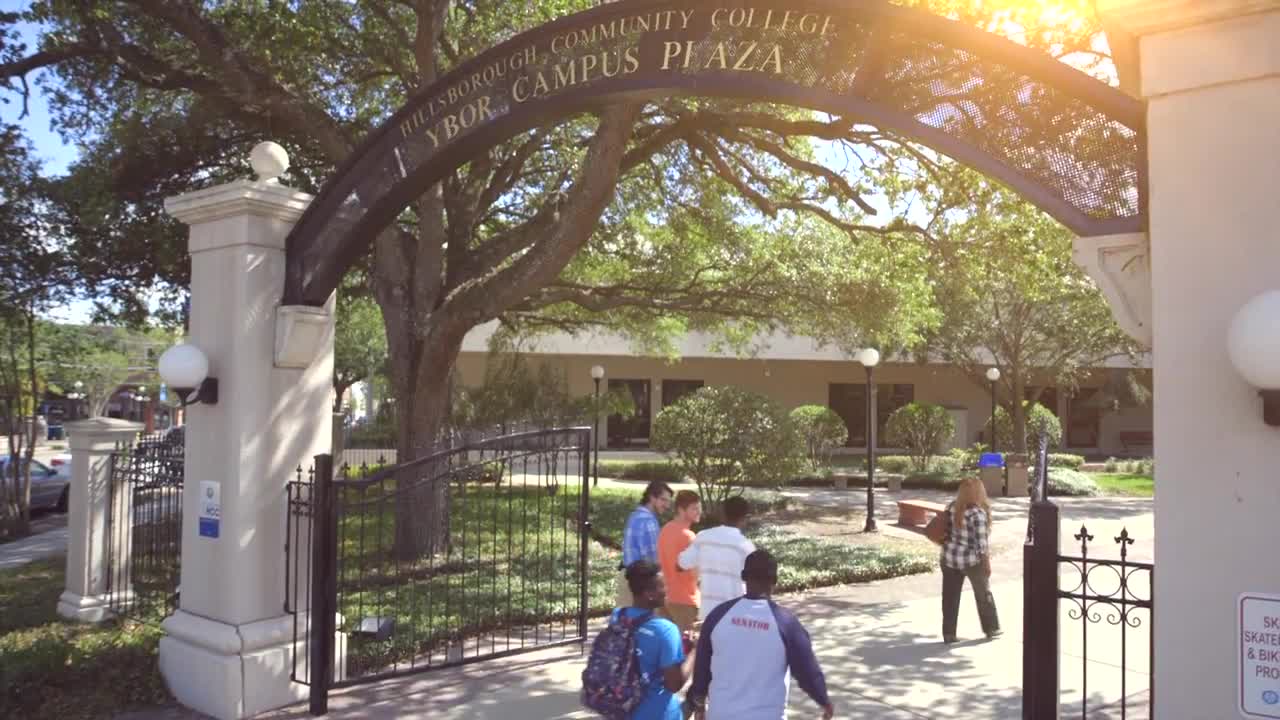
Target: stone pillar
{"type": "Point", "coordinates": [228, 650]}
{"type": "Point", "coordinates": [88, 508]}
{"type": "Point", "coordinates": [1210, 73]}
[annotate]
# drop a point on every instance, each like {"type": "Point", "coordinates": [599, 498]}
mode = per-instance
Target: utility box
{"type": "Point", "coordinates": [991, 472]}
{"type": "Point", "coordinates": [1019, 476]}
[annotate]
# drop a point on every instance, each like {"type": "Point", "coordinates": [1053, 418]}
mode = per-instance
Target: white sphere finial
{"type": "Point", "coordinates": [1253, 341]}
{"type": "Point", "coordinates": [269, 161]}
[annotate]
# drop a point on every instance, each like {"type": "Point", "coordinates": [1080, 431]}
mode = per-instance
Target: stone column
{"type": "Point", "coordinates": [228, 650]}
{"type": "Point", "coordinates": [1210, 72]}
{"type": "Point", "coordinates": [88, 510]}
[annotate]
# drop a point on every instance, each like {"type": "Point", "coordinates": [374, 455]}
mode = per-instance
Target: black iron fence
{"type": "Point", "coordinates": [471, 553]}
{"type": "Point", "coordinates": [1100, 594]}
{"type": "Point", "coordinates": [144, 529]}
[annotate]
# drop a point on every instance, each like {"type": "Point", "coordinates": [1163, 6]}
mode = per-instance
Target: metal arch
{"type": "Point", "coordinates": [1011, 112]}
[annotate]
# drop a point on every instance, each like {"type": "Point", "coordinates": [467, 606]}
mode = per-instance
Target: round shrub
{"type": "Point", "coordinates": [822, 430]}
{"type": "Point", "coordinates": [1039, 420]}
{"type": "Point", "coordinates": [921, 429]}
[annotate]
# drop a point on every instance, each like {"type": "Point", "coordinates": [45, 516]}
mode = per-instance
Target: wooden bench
{"type": "Point", "coordinates": [1136, 439]}
{"type": "Point", "coordinates": [917, 512]}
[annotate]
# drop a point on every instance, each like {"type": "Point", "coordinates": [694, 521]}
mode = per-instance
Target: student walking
{"type": "Point", "coordinates": [717, 554]}
{"type": "Point", "coordinates": [675, 538]}
{"type": "Point", "coordinates": [966, 553]}
{"type": "Point", "coordinates": [640, 534]}
{"type": "Point", "coordinates": [748, 652]}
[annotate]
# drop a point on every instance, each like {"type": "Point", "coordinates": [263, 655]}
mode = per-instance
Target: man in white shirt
{"type": "Point", "coordinates": [749, 650]}
{"type": "Point", "coordinates": [718, 554]}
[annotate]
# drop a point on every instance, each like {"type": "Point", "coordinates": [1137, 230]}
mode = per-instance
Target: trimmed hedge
{"type": "Point", "coordinates": [1067, 482]}
{"type": "Point", "coordinates": [902, 465]}
{"type": "Point", "coordinates": [1066, 460]}
{"type": "Point", "coordinates": [646, 471]}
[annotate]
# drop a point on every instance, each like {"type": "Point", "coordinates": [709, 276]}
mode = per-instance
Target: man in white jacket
{"type": "Point", "coordinates": [718, 555]}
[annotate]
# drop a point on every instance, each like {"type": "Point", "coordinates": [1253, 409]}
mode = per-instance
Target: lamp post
{"type": "Point", "coordinates": [597, 373]}
{"type": "Point", "coordinates": [870, 357]}
{"type": "Point", "coordinates": [993, 375]}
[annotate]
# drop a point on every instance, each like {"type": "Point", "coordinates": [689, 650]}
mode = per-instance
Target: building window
{"type": "Point", "coordinates": [632, 431]}
{"type": "Point", "coordinates": [1084, 419]}
{"type": "Point", "coordinates": [673, 390]}
{"type": "Point", "coordinates": [849, 400]}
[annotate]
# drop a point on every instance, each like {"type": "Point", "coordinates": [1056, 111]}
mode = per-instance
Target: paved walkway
{"type": "Point", "coordinates": [50, 539]}
{"type": "Point", "coordinates": [879, 644]}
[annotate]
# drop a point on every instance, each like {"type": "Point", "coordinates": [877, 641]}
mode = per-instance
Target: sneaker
{"type": "Point", "coordinates": [949, 640]}
{"type": "Point", "coordinates": [994, 634]}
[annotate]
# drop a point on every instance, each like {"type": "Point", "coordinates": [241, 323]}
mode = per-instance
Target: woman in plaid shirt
{"type": "Point", "coordinates": [966, 553]}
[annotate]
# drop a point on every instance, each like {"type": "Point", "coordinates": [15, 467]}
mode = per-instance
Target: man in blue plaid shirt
{"type": "Point", "coordinates": [966, 553]}
{"type": "Point", "coordinates": [640, 535]}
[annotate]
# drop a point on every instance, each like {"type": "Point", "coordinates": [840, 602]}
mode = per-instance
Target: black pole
{"type": "Point", "coordinates": [871, 454]}
{"type": "Point", "coordinates": [584, 557]}
{"type": "Point", "coordinates": [324, 584]}
{"type": "Point", "coordinates": [993, 416]}
{"type": "Point", "coordinates": [1040, 615]}
{"type": "Point", "coordinates": [595, 438]}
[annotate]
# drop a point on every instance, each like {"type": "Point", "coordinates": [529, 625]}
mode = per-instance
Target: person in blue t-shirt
{"type": "Point", "coordinates": [658, 645]}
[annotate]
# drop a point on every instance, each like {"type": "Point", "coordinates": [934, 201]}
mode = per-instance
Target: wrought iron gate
{"type": "Point", "coordinates": [1099, 592]}
{"type": "Point", "coordinates": [144, 528]}
{"type": "Point", "coordinates": [468, 554]}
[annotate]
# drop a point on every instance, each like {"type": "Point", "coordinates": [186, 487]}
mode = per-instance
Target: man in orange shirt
{"type": "Point", "coordinates": [682, 585]}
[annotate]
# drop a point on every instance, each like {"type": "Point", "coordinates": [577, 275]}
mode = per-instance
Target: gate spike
{"type": "Point", "coordinates": [1084, 537]}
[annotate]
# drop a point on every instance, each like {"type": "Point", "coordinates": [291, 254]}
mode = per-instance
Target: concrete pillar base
{"type": "Point", "coordinates": [233, 672]}
{"type": "Point", "coordinates": [82, 608]}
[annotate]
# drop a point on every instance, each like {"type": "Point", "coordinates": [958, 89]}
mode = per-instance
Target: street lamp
{"type": "Point", "coordinates": [597, 373]}
{"type": "Point", "coordinates": [870, 357]}
{"type": "Point", "coordinates": [993, 374]}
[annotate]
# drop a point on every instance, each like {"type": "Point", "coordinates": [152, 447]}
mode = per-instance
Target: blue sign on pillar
{"type": "Point", "coordinates": [210, 508]}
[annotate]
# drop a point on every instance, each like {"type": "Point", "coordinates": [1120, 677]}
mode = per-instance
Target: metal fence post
{"type": "Point", "coordinates": [324, 585]}
{"type": "Point", "coordinates": [584, 559]}
{"type": "Point", "coordinates": [1040, 673]}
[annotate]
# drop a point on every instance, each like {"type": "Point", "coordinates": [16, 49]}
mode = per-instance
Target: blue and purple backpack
{"type": "Point", "coordinates": [612, 683]}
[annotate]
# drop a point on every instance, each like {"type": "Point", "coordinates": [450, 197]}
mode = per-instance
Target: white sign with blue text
{"type": "Point", "coordinates": [1259, 635]}
{"type": "Point", "coordinates": [210, 508]}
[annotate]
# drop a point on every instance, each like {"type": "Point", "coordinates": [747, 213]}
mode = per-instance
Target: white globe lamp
{"type": "Point", "coordinates": [1253, 344]}
{"type": "Point", "coordinates": [869, 357]}
{"type": "Point", "coordinates": [186, 369]}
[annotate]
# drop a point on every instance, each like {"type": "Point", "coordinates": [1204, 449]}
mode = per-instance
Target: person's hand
{"type": "Point", "coordinates": [828, 712]}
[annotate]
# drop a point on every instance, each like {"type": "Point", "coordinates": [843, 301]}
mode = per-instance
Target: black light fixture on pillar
{"type": "Point", "coordinates": [993, 375]}
{"type": "Point", "coordinates": [870, 357]}
{"type": "Point", "coordinates": [185, 369]}
{"type": "Point", "coordinates": [597, 374]}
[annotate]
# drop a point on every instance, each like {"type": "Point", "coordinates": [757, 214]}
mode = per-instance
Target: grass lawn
{"type": "Point", "coordinates": [512, 571]}
{"type": "Point", "coordinates": [52, 668]}
{"type": "Point", "coordinates": [1124, 484]}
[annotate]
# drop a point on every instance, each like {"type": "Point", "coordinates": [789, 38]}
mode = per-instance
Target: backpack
{"type": "Point", "coordinates": [612, 683]}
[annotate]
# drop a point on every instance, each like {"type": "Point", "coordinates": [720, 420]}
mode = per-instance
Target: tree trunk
{"type": "Point", "coordinates": [1018, 414]}
{"type": "Point", "coordinates": [422, 513]}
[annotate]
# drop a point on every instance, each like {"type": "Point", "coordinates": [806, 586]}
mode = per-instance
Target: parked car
{"type": "Point", "coordinates": [50, 486]}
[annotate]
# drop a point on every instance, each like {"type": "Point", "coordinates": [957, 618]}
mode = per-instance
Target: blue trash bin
{"type": "Point", "coordinates": [995, 460]}
{"type": "Point", "coordinates": [55, 432]}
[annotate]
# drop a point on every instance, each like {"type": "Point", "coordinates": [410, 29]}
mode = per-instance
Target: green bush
{"type": "Point", "coordinates": [1038, 419]}
{"type": "Point", "coordinates": [1143, 466]}
{"type": "Point", "coordinates": [1112, 465]}
{"type": "Point", "coordinates": [921, 429]}
{"type": "Point", "coordinates": [1066, 460]}
{"type": "Point", "coordinates": [722, 437]}
{"type": "Point", "coordinates": [1064, 481]}
{"type": "Point", "coordinates": [822, 430]}
{"type": "Point", "coordinates": [900, 464]}
{"type": "Point", "coordinates": [647, 471]}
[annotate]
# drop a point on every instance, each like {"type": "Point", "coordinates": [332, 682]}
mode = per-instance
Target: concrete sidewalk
{"type": "Point", "coordinates": [882, 660]}
{"type": "Point", "coordinates": [35, 547]}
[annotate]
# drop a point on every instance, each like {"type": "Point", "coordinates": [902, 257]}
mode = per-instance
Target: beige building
{"type": "Point", "coordinates": [1099, 419]}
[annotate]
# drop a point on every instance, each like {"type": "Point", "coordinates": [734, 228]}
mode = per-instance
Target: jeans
{"type": "Point", "coordinates": [953, 584]}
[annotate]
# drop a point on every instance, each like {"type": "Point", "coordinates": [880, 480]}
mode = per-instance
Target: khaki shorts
{"type": "Point", "coordinates": [684, 616]}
